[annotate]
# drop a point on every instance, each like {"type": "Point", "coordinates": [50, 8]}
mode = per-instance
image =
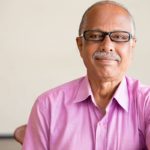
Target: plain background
{"type": "Point", "coordinates": [38, 51]}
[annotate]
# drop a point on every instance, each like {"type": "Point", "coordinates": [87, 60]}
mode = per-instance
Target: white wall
{"type": "Point", "coordinates": [38, 51]}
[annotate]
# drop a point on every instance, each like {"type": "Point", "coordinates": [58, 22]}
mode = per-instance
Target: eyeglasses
{"type": "Point", "coordinates": [116, 36]}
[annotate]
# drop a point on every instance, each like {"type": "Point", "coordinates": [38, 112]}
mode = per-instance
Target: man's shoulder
{"type": "Point", "coordinates": [135, 86]}
{"type": "Point", "coordinates": [68, 89]}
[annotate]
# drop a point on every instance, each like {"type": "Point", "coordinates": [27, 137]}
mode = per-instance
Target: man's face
{"type": "Point", "coordinates": [106, 18]}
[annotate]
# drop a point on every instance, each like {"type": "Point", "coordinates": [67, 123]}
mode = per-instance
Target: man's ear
{"type": "Point", "coordinates": [79, 44]}
{"type": "Point", "coordinates": [134, 43]}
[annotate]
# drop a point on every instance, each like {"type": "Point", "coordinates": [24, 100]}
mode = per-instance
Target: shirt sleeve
{"type": "Point", "coordinates": [147, 120]}
{"type": "Point", "coordinates": [37, 132]}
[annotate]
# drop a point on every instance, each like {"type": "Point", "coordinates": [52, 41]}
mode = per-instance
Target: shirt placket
{"type": "Point", "coordinates": [101, 134]}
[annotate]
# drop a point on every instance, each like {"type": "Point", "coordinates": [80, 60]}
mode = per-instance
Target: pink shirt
{"type": "Point", "coordinates": [67, 118]}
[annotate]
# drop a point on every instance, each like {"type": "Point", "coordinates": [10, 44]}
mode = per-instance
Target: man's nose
{"type": "Point", "coordinates": [107, 44]}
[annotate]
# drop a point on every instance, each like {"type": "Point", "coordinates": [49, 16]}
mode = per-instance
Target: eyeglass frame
{"type": "Point", "coordinates": [109, 34]}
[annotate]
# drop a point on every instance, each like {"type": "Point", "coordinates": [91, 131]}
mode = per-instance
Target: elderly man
{"type": "Point", "coordinates": [104, 110]}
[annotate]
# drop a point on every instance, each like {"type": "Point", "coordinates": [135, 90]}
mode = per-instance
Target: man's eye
{"type": "Point", "coordinates": [120, 36]}
{"type": "Point", "coordinates": [95, 36]}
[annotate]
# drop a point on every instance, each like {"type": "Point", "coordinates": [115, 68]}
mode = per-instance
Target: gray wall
{"type": "Point", "coordinates": [38, 51]}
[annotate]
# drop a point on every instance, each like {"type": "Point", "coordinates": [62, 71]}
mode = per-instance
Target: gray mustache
{"type": "Point", "coordinates": [98, 55]}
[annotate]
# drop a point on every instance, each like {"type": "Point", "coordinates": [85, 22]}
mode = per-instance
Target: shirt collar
{"type": "Point", "coordinates": [121, 95]}
{"type": "Point", "coordinates": [84, 90]}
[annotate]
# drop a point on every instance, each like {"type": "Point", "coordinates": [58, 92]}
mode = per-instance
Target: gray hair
{"type": "Point", "coordinates": [102, 3]}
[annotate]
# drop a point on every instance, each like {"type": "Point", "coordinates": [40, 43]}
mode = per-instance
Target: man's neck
{"type": "Point", "coordinates": [103, 91]}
